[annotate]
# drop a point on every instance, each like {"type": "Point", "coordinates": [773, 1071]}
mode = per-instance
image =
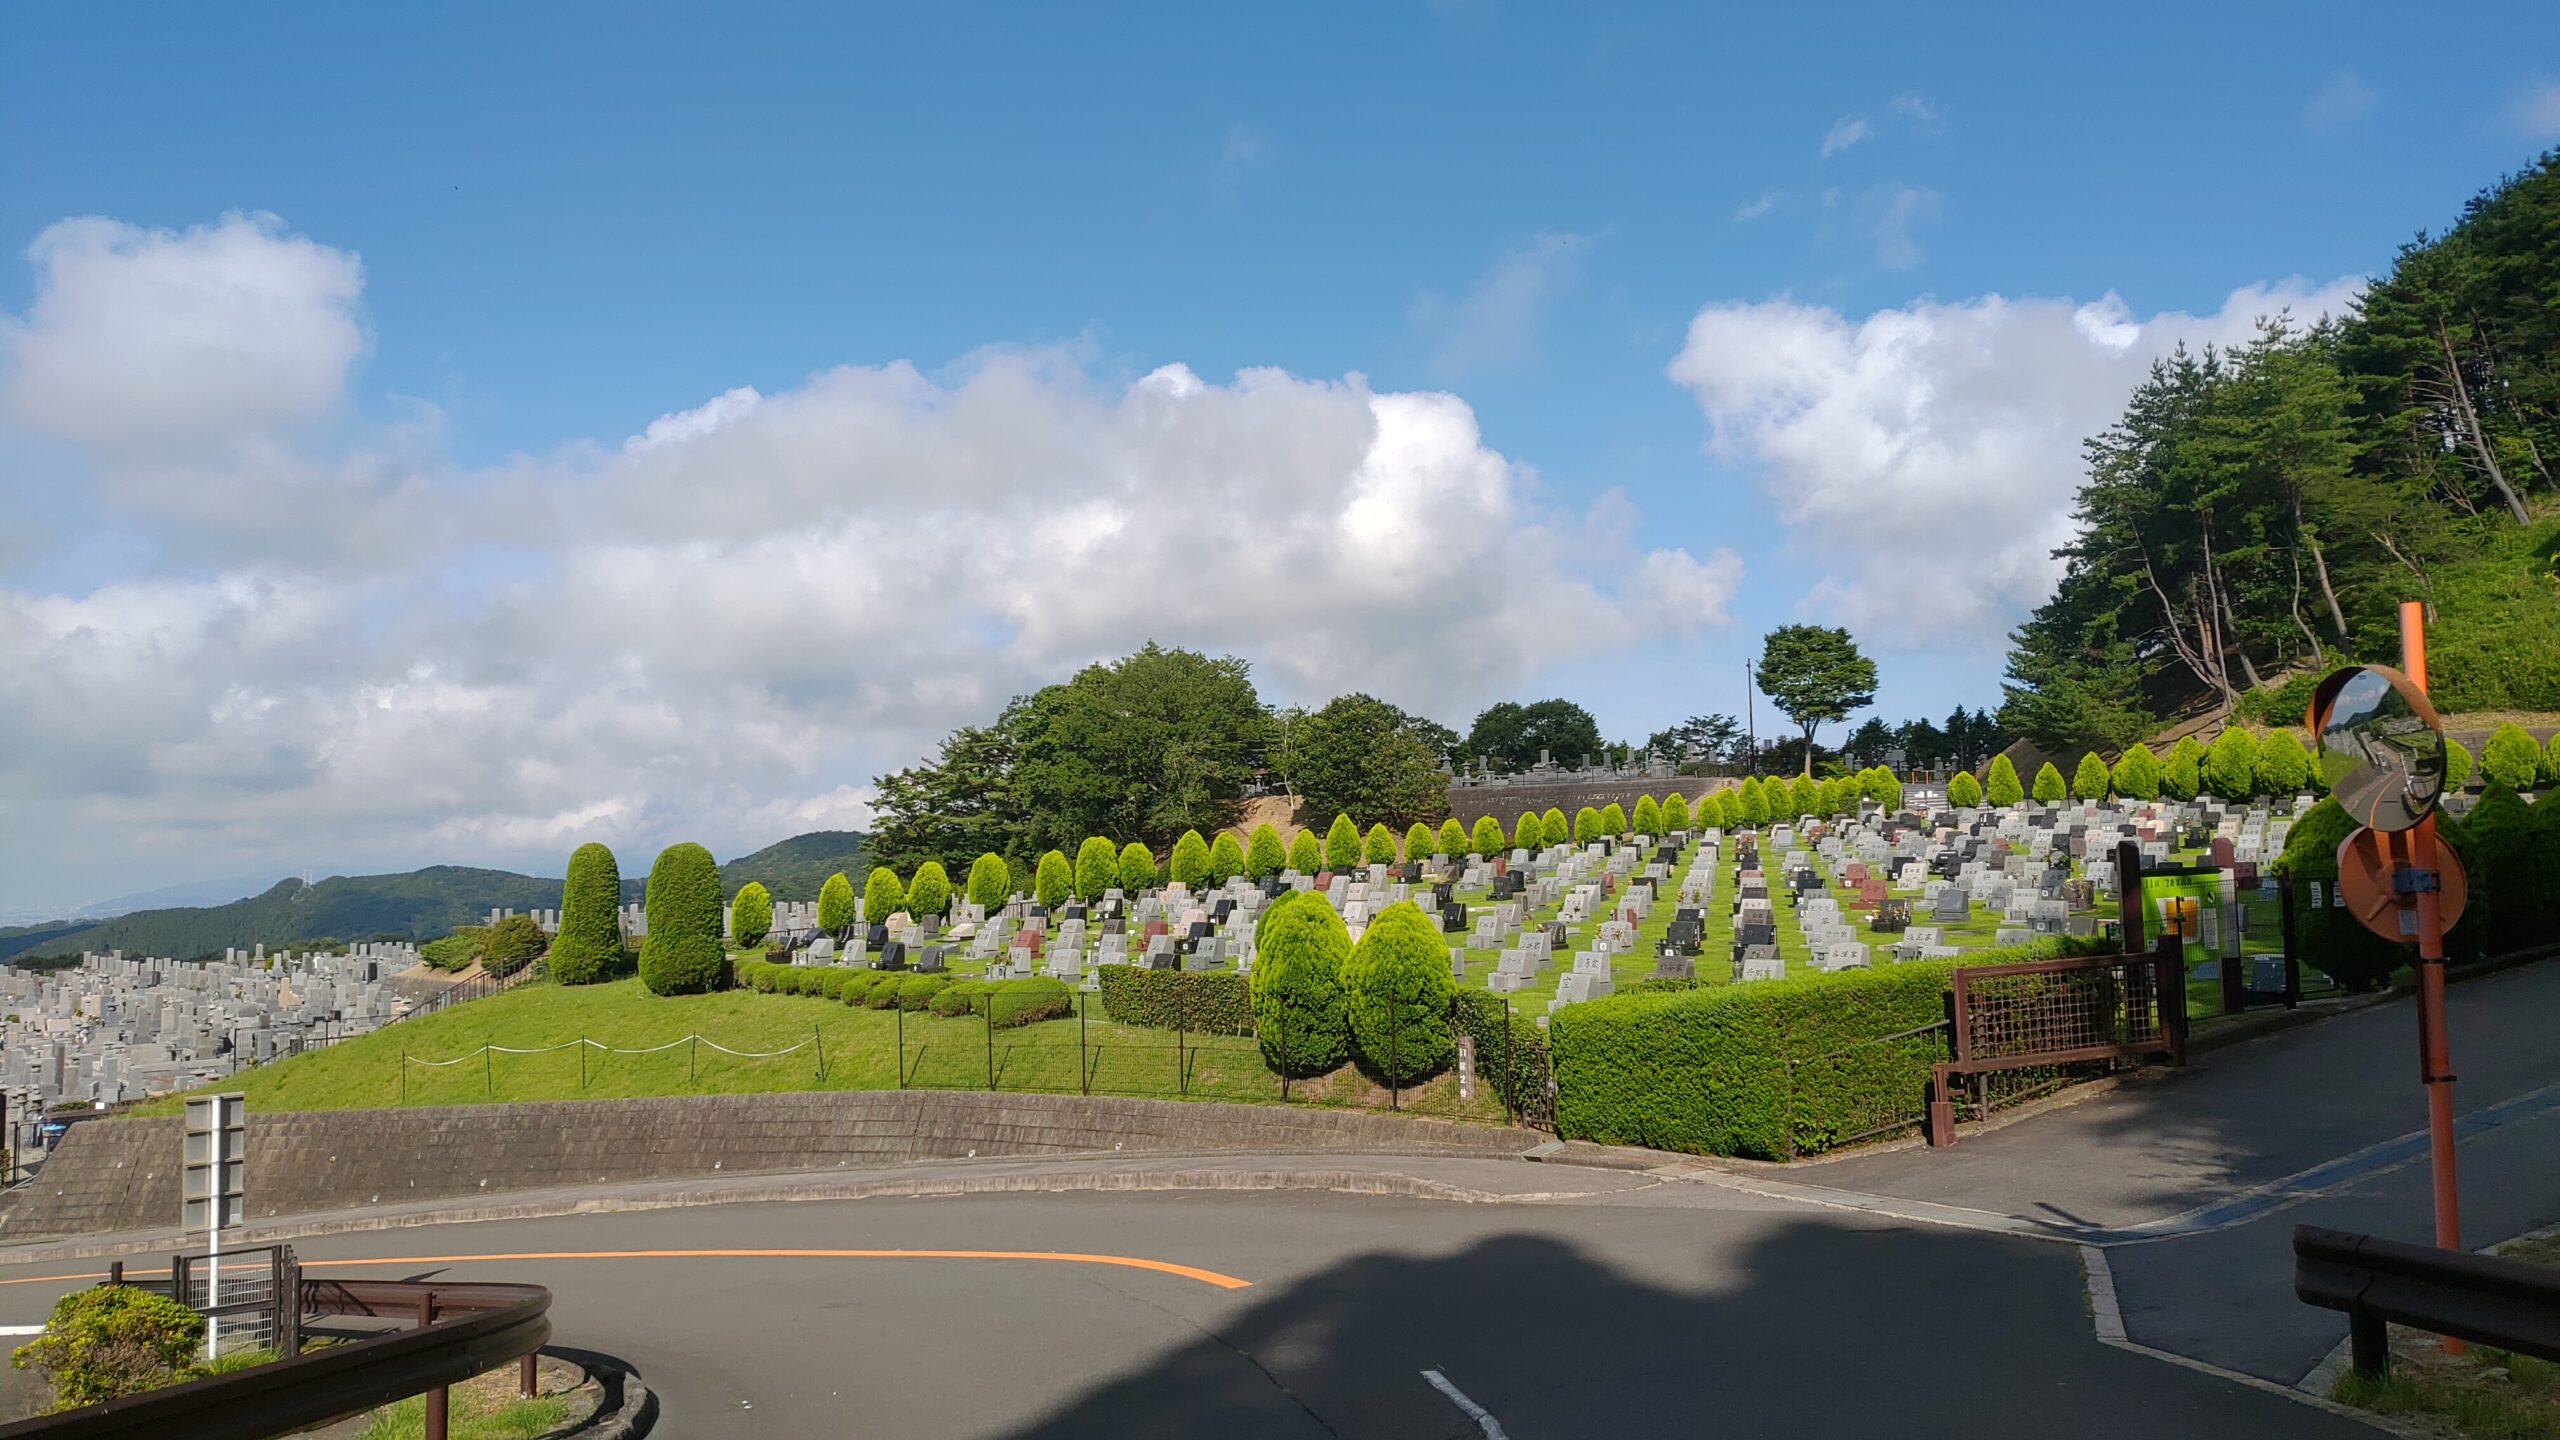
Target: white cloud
{"type": "Point", "coordinates": [2536, 112]}
{"type": "Point", "coordinates": [1846, 131]}
{"type": "Point", "coordinates": [723, 627]}
{"type": "Point", "coordinates": [1500, 323]}
{"type": "Point", "coordinates": [1757, 209]}
{"type": "Point", "coordinates": [1928, 455]}
{"type": "Point", "coordinates": [144, 340]}
{"type": "Point", "coordinates": [1923, 116]}
{"type": "Point", "coordinates": [2340, 99]}
{"type": "Point", "coordinates": [1900, 210]}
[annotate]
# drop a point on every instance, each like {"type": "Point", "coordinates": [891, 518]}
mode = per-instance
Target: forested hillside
{"type": "Point", "coordinates": [421, 904]}
{"type": "Point", "coordinates": [2258, 513]}
{"type": "Point", "coordinates": [791, 869]}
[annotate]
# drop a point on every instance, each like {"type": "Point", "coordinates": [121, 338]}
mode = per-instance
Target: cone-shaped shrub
{"type": "Point", "coordinates": [1528, 832]}
{"type": "Point", "coordinates": [1397, 990]}
{"type": "Point", "coordinates": [1226, 858]}
{"type": "Point", "coordinates": [883, 895]}
{"type": "Point", "coordinates": [2001, 786]}
{"type": "Point", "coordinates": [751, 915]}
{"type": "Point", "coordinates": [835, 903]}
{"type": "Point", "coordinates": [2182, 774]}
{"type": "Point", "coordinates": [2512, 904]}
{"type": "Point", "coordinates": [1097, 868]}
{"type": "Point", "coordinates": [1613, 820]}
{"type": "Point", "coordinates": [1746, 805]}
{"type": "Point", "coordinates": [1647, 818]}
{"type": "Point", "coordinates": [1452, 839]}
{"type": "Point", "coordinates": [1053, 880]}
{"type": "Point", "coordinates": [1189, 863]}
{"type": "Point", "coordinates": [1299, 948]}
{"type": "Point", "coordinates": [2284, 766]}
{"type": "Point", "coordinates": [589, 945]}
{"type": "Point", "coordinates": [990, 882]}
{"type": "Point", "coordinates": [1378, 847]}
{"type": "Point", "coordinates": [1138, 867]}
{"type": "Point", "coordinates": [2231, 765]}
{"type": "Point", "coordinates": [1341, 844]}
{"type": "Point", "coordinates": [2457, 764]}
{"type": "Point", "coordinates": [1306, 853]}
{"type": "Point", "coordinates": [929, 893]}
{"type": "Point", "coordinates": [1887, 791]}
{"type": "Point", "coordinates": [1675, 813]}
{"type": "Point", "coordinates": [2137, 773]}
{"type": "Point", "coordinates": [1964, 790]}
{"type": "Point", "coordinates": [2549, 774]}
{"type": "Point", "coordinates": [1554, 827]}
{"type": "Point", "coordinates": [1417, 842]}
{"type": "Point", "coordinates": [1486, 840]}
{"type": "Point", "coordinates": [1264, 855]}
{"type": "Point", "coordinates": [2049, 789]}
{"type": "Point", "coordinates": [1586, 825]}
{"type": "Point", "coordinates": [681, 954]}
{"type": "Point", "coordinates": [2091, 780]}
{"type": "Point", "coordinates": [2510, 758]}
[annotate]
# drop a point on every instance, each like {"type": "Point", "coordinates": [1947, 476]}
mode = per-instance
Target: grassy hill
{"type": "Point", "coordinates": [793, 869]}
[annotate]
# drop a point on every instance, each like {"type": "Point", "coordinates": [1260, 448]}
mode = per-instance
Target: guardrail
{"type": "Point", "coordinates": [2380, 1283]}
{"type": "Point", "coordinates": [461, 1330]}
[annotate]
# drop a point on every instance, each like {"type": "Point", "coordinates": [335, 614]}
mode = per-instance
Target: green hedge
{"type": "Point", "coordinates": [915, 992]}
{"type": "Point", "coordinates": [1028, 999]}
{"type": "Point", "coordinates": [1218, 1002]}
{"type": "Point", "coordinates": [1515, 1057]}
{"type": "Point", "coordinates": [1705, 1070]}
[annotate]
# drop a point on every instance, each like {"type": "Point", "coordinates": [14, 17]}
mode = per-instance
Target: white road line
{"type": "Point", "coordinates": [21, 1329]}
{"type": "Point", "coordinates": [1485, 1422]}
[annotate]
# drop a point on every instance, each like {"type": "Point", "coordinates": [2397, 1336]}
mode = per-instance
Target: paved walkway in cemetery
{"type": "Point", "coordinates": [1648, 1308]}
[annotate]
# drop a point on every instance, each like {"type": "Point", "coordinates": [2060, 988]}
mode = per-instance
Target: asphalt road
{"type": "Point", "coordinates": [1625, 1316]}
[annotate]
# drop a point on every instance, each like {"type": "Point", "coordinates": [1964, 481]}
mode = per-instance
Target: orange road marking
{"type": "Point", "coordinates": [1130, 1262]}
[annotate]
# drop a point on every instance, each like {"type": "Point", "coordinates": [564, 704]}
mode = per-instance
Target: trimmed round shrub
{"type": "Point", "coordinates": [1378, 847]}
{"type": "Point", "coordinates": [1341, 844]}
{"type": "Point", "coordinates": [2000, 786]}
{"type": "Point", "coordinates": [1810, 797]}
{"type": "Point", "coordinates": [1189, 864]}
{"type": "Point", "coordinates": [915, 992]}
{"type": "Point", "coordinates": [831, 981]}
{"type": "Point", "coordinates": [883, 895]}
{"type": "Point", "coordinates": [1306, 852]}
{"type": "Point", "coordinates": [2137, 773]}
{"type": "Point", "coordinates": [1675, 813]}
{"type": "Point", "coordinates": [1029, 999]}
{"type": "Point", "coordinates": [1396, 993]}
{"type": "Point", "coordinates": [835, 903]}
{"type": "Point", "coordinates": [1647, 819]}
{"type": "Point", "coordinates": [1964, 790]}
{"type": "Point", "coordinates": [1486, 840]}
{"type": "Point", "coordinates": [1586, 825]}
{"type": "Point", "coordinates": [1097, 868]}
{"type": "Point", "coordinates": [2182, 774]}
{"type": "Point", "coordinates": [110, 1341]}
{"type": "Point", "coordinates": [1417, 842]}
{"type": "Point", "coordinates": [1137, 869]}
{"type": "Point", "coordinates": [2513, 903]}
{"type": "Point", "coordinates": [682, 954]}
{"type": "Point", "coordinates": [2510, 758]}
{"type": "Point", "coordinates": [1053, 881]}
{"type": "Point", "coordinates": [858, 984]}
{"type": "Point", "coordinates": [1528, 832]}
{"type": "Point", "coordinates": [751, 915]}
{"type": "Point", "coordinates": [990, 882]}
{"type": "Point", "coordinates": [1554, 826]}
{"type": "Point", "coordinates": [929, 893]}
{"type": "Point", "coordinates": [1613, 820]}
{"type": "Point", "coordinates": [1264, 855]}
{"type": "Point", "coordinates": [1711, 812]}
{"type": "Point", "coordinates": [1452, 839]}
{"type": "Point", "coordinates": [2550, 771]}
{"type": "Point", "coordinates": [589, 945]}
{"type": "Point", "coordinates": [2048, 789]}
{"type": "Point", "coordinates": [882, 994]}
{"type": "Point", "coordinates": [2332, 941]}
{"type": "Point", "coordinates": [2092, 779]}
{"type": "Point", "coordinates": [2457, 764]}
{"type": "Point", "coordinates": [1226, 859]}
{"type": "Point", "coordinates": [2283, 765]}
{"type": "Point", "coordinates": [1300, 945]}
{"type": "Point", "coordinates": [510, 945]}
{"type": "Point", "coordinates": [960, 997]}
{"type": "Point", "coordinates": [1885, 790]}
{"type": "Point", "coordinates": [1746, 804]}
{"type": "Point", "coordinates": [2231, 764]}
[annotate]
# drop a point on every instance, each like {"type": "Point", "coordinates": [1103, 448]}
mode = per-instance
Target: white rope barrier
{"type": "Point", "coordinates": [611, 1050]}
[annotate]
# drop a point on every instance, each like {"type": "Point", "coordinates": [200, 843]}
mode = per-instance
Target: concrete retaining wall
{"type": "Point", "coordinates": [112, 1175]}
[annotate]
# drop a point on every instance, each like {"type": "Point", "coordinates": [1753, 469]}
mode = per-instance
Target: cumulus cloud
{"type": "Point", "coordinates": [1846, 131]}
{"type": "Point", "coordinates": [144, 340]}
{"type": "Point", "coordinates": [721, 627]}
{"type": "Point", "coordinates": [1928, 454]}
{"type": "Point", "coordinates": [1501, 323]}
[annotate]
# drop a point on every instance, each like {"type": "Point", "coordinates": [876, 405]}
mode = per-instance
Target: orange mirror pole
{"type": "Point", "coordinates": [2435, 1050]}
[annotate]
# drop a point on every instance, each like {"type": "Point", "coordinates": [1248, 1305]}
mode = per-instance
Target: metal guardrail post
{"type": "Point", "coordinates": [439, 1400]}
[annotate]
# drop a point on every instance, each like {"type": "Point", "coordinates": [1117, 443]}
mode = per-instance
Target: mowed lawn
{"type": "Point", "coordinates": [443, 1058]}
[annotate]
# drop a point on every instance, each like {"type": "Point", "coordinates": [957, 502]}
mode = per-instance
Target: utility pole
{"type": "Point", "coordinates": [1750, 719]}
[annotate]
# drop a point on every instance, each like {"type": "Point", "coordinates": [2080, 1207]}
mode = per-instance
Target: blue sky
{"type": "Point", "coordinates": [1613, 233]}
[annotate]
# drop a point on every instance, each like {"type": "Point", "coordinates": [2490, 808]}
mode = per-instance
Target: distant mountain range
{"type": "Point", "coordinates": [417, 905]}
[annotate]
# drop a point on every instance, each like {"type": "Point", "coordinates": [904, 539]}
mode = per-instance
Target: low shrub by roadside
{"type": "Point", "coordinates": [1217, 1002]}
